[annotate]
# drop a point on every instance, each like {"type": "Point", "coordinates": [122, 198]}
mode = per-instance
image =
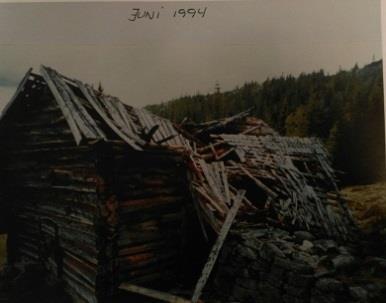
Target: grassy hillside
{"type": "Point", "coordinates": [368, 204]}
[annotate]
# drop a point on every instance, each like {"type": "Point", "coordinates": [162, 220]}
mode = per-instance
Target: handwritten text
{"type": "Point", "coordinates": [138, 14]}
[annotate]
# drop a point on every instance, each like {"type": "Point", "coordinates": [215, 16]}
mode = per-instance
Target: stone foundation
{"type": "Point", "coordinates": [272, 265]}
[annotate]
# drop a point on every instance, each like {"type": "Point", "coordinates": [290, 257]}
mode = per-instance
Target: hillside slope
{"type": "Point", "coordinates": [368, 204]}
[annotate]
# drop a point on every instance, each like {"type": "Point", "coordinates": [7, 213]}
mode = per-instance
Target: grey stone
{"type": "Point", "coordinates": [286, 247]}
{"type": "Point", "coordinates": [247, 283]}
{"type": "Point", "coordinates": [326, 246]}
{"type": "Point", "coordinates": [268, 287]}
{"type": "Point", "coordinates": [344, 262]}
{"type": "Point", "coordinates": [306, 245]}
{"type": "Point", "coordinates": [239, 260]}
{"type": "Point", "coordinates": [376, 291]}
{"type": "Point", "coordinates": [277, 273]}
{"type": "Point", "coordinates": [253, 244]}
{"type": "Point", "coordinates": [226, 254]}
{"type": "Point", "coordinates": [300, 280]}
{"type": "Point", "coordinates": [323, 299]}
{"type": "Point", "coordinates": [302, 235]}
{"type": "Point", "coordinates": [266, 278]}
{"type": "Point", "coordinates": [266, 252]}
{"type": "Point", "coordinates": [296, 291]}
{"type": "Point", "coordinates": [258, 233]}
{"type": "Point", "coordinates": [247, 253]}
{"type": "Point", "coordinates": [372, 287]}
{"type": "Point", "coordinates": [329, 285]}
{"type": "Point", "coordinates": [276, 277]}
{"type": "Point", "coordinates": [283, 263]}
{"type": "Point", "coordinates": [293, 265]}
{"type": "Point", "coordinates": [270, 292]}
{"type": "Point", "coordinates": [291, 299]}
{"type": "Point", "coordinates": [318, 296]}
{"type": "Point", "coordinates": [238, 292]}
{"type": "Point", "coordinates": [325, 261]}
{"type": "Point", "coordinates": [358, 293]}
{"type": "Point", "coordinates": [306, 258]}
{"type": "Point", "coordinates": [324, 273]}
{"type": "Point", "coordinates": [243, 272]}
{"type": "Point", "coordinates": [280, 234]}
{"type": "Point", "coordinates": [260, 265]}
{"type": "Point", "coordinates": [343, 250]}
{"type": "Point", "coordinates": [378, 266]}
{"type": "Point", "coordinates": [275, 250]}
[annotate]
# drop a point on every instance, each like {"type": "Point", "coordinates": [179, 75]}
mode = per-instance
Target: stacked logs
{"type": "Point", "coordinates": [152, 195]}
{"type": "Point", "coordinates": [50, 186]}
{"type": "Point", "coordinates": [97, 210]}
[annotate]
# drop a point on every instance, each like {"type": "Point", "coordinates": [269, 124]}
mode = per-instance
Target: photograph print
{"type": "Point", "coordinates": [192, 151]}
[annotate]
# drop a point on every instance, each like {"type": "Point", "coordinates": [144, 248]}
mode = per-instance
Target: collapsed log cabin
{"type": "Point", "coordinates": [98, 191]}
{"type": "Point", "coordinates": [92, 188]}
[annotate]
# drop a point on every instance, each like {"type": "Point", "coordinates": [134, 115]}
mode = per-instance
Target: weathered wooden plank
{"type": "Point", "coordinates": [86, 116]}
{"type": "Point", "coordinates": [210, 179]}
{"type": "Point", "coordinates": [220, 208]}
{"type": "Point", "coordinates": [126, 119]}
{"type": "Point", "coordinates": [225, 183]}
{"type": "Point", "coordinates": [110, 103]}
{"type": "Point", "coordinates": [77, 110]}
{"type": "Point", "coordinates": [151, 293]}
{"type": "Point", "coordinates": [62, 104]}
{"type": "Point", "coordinates": [217, 246]}
{"type": "Point", "coordinates": [89, 94]}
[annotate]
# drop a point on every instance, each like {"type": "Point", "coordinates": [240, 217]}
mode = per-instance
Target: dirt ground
{"type": "Point", "coordinates": [368, 205]}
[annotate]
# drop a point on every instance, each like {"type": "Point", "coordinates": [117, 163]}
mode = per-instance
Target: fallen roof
{"type": "Point", "coordinates": [299, 185]}
{"type": "Point", "coordinates": [89, 113]}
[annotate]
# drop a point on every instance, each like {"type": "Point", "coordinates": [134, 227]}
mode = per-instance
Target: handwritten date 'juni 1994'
{"type": "Point", "coordinates": [137, 13]}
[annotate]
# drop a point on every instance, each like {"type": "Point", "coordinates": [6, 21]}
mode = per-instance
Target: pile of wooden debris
{"type": "Point", "coordinates": [288, 181]}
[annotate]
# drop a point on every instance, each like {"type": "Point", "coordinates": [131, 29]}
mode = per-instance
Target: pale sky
{"type": "Point", "coordinates": [150, 61]}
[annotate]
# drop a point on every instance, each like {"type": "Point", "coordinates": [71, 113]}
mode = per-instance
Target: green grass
{"type": "Point", "coordinates": [3, 253]}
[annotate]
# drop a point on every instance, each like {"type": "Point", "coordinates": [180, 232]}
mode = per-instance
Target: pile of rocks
{"type": "Point", "coordinates": [273, 265]}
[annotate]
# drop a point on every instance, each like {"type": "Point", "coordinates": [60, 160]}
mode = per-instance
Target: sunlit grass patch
{"type": "Point", "coordinates": [368, 204]}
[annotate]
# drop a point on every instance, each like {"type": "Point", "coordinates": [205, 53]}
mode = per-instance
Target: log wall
{"type": "Point", "coordinates": [94, 215]}
{"type": "Point", "coordinates": [50, 193]}
{"type": "Point", "coordinates": [152, 196]}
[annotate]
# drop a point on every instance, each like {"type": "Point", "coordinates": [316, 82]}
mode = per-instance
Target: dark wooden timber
{"type": "Point", "coordinates": [93, 209]}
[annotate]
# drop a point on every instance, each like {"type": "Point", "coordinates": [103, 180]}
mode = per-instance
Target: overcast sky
{"type": "Point", "coordinates": [150, 61]}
